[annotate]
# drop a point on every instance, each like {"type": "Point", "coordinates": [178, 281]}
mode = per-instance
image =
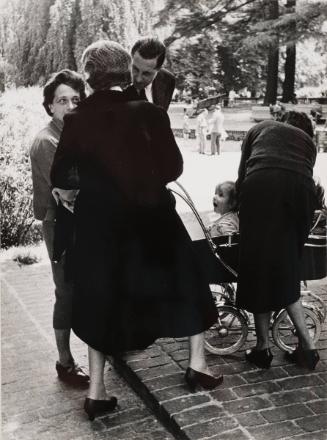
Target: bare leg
{"type": "Point", "coordinates": [218, 144]}
{"type": "Point", "coordinates": [262, 322]}
{"type": "Point", "coordinates": [97, 390]}
{"type": "Point", "coordinates": [198, 373]}
{"type": "Point", "coordinates": [62, 307]}
{"type": "Point", "coordinates": [202, 142]}
{"type": "Point", "coordinates": [197, 357]}
{"type": "Point", "coordinates": [63, 345]}
{"type": "Point", "coordinates": [213, 143]}
{"type": "Point", "coordinates": [66, 368]}
{"type": "Point", "coordinates": [296, 314]}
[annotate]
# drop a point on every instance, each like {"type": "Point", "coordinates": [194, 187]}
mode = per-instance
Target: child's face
{"type": "Point", "coordinates": [220, 200]}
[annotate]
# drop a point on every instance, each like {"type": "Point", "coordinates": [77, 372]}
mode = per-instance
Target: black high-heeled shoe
{"type": "Point", "coordinates": [195, 378]}
{"type": "Point", "coordinates": [260, 358]}
{"type": "Point", "coordinates": [94, 407]}
{"type": "Point", "coordinates": [304, 358]}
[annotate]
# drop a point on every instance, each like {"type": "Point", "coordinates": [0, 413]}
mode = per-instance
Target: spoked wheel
{"type": "Point", "coordinates": [228, 334]}
{"type": "Point", "coordinates": [284, 333]}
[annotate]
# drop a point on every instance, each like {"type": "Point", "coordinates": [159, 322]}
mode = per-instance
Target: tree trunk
{"type": "Point", "coordinates": [288, 85]}
{"type": "Point", "coordinates": [272, 75]}
{"type": "Point", "coordinates": [273, 58]}
{"type": "Point", "coordinates": [290, 62]}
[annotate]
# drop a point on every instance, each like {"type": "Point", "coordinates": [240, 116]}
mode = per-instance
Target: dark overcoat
{"type": "Point", "coordinates": [276, 195]}
{"type": "Point", "coordinates": [134, 272]}
{"type": "Point", "coordinates": [163, 87]}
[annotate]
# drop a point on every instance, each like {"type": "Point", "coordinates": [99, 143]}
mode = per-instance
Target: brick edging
{"type": "Point", "coordinates": [152, 403]}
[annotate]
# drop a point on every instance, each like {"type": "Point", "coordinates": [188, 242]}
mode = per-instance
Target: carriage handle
{"type": "Point", "coordinates": [321, 214]}
{"type": "Point", "coordinates": [184, 195]}
{"type": "Point", "coordinates": [312, 236]}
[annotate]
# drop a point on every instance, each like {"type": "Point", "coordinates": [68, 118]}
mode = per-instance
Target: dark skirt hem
{"type": "Point", "coordinates": [275, 308]}
{"type": "Point", "coordinates": [140, 344]}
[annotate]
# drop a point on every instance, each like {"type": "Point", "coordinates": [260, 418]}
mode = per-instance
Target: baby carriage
{"type": "Point", "coordinates": [218, 258]}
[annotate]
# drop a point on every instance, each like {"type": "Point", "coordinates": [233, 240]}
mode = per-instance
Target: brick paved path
{"type": "Point", "coordinates": [284, 402]}
{"type": "Point", "coordinates": [35, 405]}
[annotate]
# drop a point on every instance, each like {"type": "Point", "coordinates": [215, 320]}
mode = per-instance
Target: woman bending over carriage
{"type": "Point", "coordinates": [277, 200]}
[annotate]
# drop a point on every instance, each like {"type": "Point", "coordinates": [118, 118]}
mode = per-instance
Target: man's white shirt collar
{"type": "Point", "coordinates": [148, 92]}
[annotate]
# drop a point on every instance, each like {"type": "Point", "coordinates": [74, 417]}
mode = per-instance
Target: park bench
{"type": "Point", "coordinates": [239, 135]}
{"type": "Point", "coordinates": [262, 113]}
{"type": "Point", "coordinates": [232, 135]}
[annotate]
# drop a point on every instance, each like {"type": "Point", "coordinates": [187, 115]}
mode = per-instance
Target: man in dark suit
{"type": "Point", "coordinates": [151, 82]}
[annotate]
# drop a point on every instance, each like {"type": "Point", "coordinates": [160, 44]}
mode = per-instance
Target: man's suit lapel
{"type": "Point", "coordinates": [158, 90]}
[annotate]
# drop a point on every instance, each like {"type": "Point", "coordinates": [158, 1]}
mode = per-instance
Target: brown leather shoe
{"type": "Point", "coordinates": [72, 375]}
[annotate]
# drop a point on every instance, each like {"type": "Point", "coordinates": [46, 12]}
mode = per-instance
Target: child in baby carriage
{"type": "Point", "coordinates": [225, 204]}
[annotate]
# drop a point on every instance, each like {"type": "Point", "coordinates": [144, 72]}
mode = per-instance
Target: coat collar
{"type": "Point", "coordinates": [104, 98]}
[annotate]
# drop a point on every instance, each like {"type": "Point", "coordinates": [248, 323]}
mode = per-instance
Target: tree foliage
{"type": "Point", "coordinates": [248, 35]}
{"type": "Point", "coordinates": [191, 75]}
{"type": "Point", "coordinates": [21, 116]}
{"type": "Point", "coordinates": [40, 37]}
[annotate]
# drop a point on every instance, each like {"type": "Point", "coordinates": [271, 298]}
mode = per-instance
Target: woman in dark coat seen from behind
{"type": "Point", "coordinates": [135, 275]}
{"type": "Point", "coordinates": [277, 201]}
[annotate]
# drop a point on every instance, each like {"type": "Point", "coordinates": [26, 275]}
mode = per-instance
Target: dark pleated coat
{"type": "Point", "coordinates": [135, 275]}
{"type": "Point", "coordinates": [277, 200]}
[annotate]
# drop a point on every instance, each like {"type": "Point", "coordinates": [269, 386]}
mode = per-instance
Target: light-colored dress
{"type": "Point", "coordinates": [226, 224]}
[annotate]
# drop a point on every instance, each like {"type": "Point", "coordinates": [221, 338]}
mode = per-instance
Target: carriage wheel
{"type": "Point", "coordinates": [284, 333]}
{"type": "Point", "coordinates": [228, 333]}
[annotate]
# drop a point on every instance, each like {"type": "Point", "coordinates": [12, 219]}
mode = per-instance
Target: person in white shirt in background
{"type": "Point", "coordinates": [217, 131]}
{"type": "Point", "coordinates": [231, 98]}
{"type": "Point", "coordinates": [186, 125]}
{"type": "Point", "coordinates": [202, 128]}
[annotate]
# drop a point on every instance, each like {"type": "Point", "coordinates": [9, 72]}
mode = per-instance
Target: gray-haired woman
{"type": "Point", "coordinates": [135, 275]}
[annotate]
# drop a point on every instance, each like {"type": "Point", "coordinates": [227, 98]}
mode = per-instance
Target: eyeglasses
{"type": "Point", "coordinates": [65, 101]}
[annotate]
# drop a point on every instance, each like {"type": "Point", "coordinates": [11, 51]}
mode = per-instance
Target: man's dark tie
{"type": "Point", "coordinates": [143, 95]}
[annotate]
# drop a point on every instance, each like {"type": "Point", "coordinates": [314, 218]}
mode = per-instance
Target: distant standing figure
{"type": "Point", "coordinates": [202, 128]}
{"type": "Point", "coordinates": [61, 94]}
{"type": "Point", "coordinates": [313, 122]}
{"type": "Point", "coordinates": [294, 99]}
{"type": "Point", "coordinates": [316, 111]}
{"type": "Point", "coordinates": [231, 98]}
{"type": "Point", "coordinates": [186, 125]}
{"type": "Point", "coordinates": [216, 129]}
